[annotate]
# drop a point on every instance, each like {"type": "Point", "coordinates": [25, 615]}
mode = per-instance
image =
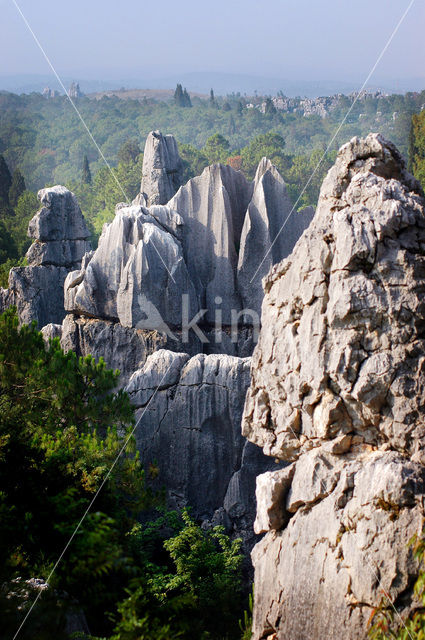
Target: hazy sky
{"type": "Point", "coordinates": [325, 39]}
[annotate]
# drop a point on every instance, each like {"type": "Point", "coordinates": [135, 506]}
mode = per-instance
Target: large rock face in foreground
{"type": "Point", "coordinates": [61, 239]}
{"type": "Point", "coordinates": [337, 389]}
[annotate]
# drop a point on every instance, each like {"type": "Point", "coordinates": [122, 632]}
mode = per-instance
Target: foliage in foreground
{"type": "Point", "coordinates": [386, 623]}
{"type": "Point", "coordinates": [190, 586]}
{"type": "Point", "coordinates": [62, 426]}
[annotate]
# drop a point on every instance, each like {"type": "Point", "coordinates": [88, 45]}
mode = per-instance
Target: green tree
{"type": "Point", "coordinates": [270, 109]}
{"type": "Point", "coordinates": [17, 187]}
{"type": "Point", "coordinates": [270, 145]}
{"type": "Point", "coordinates": [5, 182]}
{"type": "Point", "coordinates": [216, 149]}
{"type": "Point", "coordinates": [86, 173]}
{"type": "Point", "coordinates": [17, 224]}
{"type": "Point", "coordinates": [212, 97]}
{"type": "Point", "coordinates": [186, 97]}
{"type": "Point", "coordinates": [194, 161]}
{"type": "Point", "coordinates": [191, 584]}
{"type": "Point", "coordinates": [61, 428]}
{"type": "Point", "coordinates": [129, 152]}
{"type": "Point", "coordinates": [417, 147]}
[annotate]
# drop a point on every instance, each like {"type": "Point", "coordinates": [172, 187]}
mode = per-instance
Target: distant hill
{"type": "Point", "coordinates": [199, 83]}
{"type": "Point", "coordinates": [139, 94]}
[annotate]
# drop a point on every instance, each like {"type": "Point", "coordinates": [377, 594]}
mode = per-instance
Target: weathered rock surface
{"type": "Point", "coordinates": [157, 268]}
{"type": "Point", "coordinates": [337, 386]}
{"type": "Point", "coordinates": [320, 576]}
{"type": "Point", "coordinates": [162, 170]}
{"type": "Point", "coordinates": [190, 411]}
{"type": "Point", "coordinates": [137, 275]}
{"type": "Point", "coordinates": [60, 241]}
{"type": "Point", "coordinates": [51, 331]}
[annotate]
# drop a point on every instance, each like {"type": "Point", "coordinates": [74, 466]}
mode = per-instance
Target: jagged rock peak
{"type": "Point", "coordinates": [337, 383]}
{"type": "Point", "coordinates": [162, 169]}
{"type": "Point", "coordinates": [137, 275]}
{"type": "Point", "coordinates": [270, 230]}
{"type": "Point", "coordinates": [213, 206]}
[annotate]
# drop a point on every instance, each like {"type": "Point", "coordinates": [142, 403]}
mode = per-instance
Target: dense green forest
{"type": "Point", "coordinates": [43, 142]}
{"type": "Point", "coordinates": [48, 142]}
{"type": "Point", "coordinates": [135, 571]}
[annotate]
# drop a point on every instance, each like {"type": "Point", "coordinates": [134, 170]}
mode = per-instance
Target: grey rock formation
{"type": "Point", "coordinates": [156, 268]}
{"type": "Point", "coordinates": [213, 206]}
{"type": "Point", "coordinates": [337, 387]}
{"type": "Point", "coordinates": [60, 241]}
{"type": "Point", "coordinates": [51, 331]}
{"type": "Point", "coordinates": [270, 231]}
{"type": "Point", "coordinates": [162, 170]}
{"type": "Point", "coordinates": [190, 411]}
{"type": "Point", "coordinates": [137, 275]}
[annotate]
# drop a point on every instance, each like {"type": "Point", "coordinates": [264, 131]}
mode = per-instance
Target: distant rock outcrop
{"type": "Point", "coordinates": [337, 389]}
{"type": "Point", "coordinates": [162, 170]}
{"type": "Point", "coordinates": [61, 239]}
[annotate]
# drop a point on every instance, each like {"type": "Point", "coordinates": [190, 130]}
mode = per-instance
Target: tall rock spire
{"type": "Point", "coordinates": [162, 171]}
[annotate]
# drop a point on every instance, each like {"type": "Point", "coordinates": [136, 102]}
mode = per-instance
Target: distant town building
{"type": "Point", "coordinates": [321, 106]}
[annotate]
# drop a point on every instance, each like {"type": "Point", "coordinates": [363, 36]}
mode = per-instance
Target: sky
{"type": "Point", "coordinates": [136, 39]}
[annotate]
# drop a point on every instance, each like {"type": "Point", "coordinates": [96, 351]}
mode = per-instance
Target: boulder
{"type": "Point", "coordinates": [336, 389]}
